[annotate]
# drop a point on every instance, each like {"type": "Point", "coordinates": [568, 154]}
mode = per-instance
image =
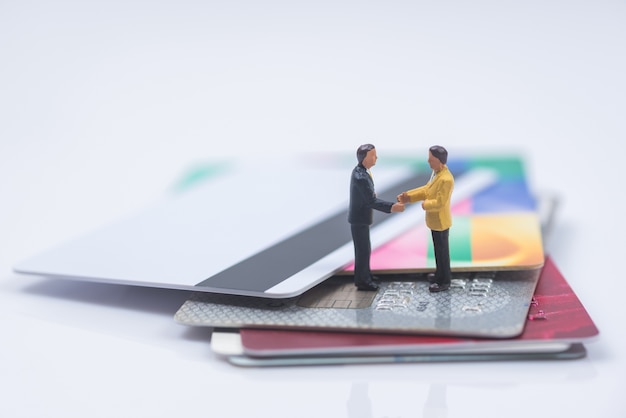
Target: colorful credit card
{"type": "Point", "coordinates": [556, 320]}
{"type": "Point", "coordinates": [497, 227]}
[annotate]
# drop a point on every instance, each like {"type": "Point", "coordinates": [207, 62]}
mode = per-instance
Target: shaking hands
{"type": "Point", "coordinates": [403, 198]}
{"type": "Point", "coordinates": [397, 207]}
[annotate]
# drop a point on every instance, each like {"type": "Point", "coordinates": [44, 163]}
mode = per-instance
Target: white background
{"type": "Point", "coordinates": [105, 104]}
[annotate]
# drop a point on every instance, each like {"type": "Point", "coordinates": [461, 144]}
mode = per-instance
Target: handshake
{"type": "Point", "coordinates": [402, 198]}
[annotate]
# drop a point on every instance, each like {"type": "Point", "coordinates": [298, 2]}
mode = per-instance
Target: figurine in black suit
{"type": "Point", "coordinates": [360, 214]}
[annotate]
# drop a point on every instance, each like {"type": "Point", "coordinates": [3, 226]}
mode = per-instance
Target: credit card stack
{"type": "Point", "coordinates": [507, 301]}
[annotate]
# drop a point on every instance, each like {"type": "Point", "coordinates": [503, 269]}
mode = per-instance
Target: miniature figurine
{"type": "Point", "coordinates": [360, 214]}
{"type": "Point", "coordinates": [435, 196]}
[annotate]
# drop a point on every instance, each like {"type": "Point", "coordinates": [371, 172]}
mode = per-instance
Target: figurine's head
{"type": "Point", "coordinates": [366, 155]}
{"type": "Point", "coordinates": [437, 157]}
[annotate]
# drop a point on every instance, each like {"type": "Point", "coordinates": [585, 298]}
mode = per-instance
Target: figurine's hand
{"type": "Point", "coordinates": [403, 197]}
{"type": "Point", "coordinates": [397, 207]}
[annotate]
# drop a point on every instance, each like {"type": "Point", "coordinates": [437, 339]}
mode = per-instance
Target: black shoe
{"type": "Point", "coordinates": [438, 287]}
{"type": "Point", "coordinates": [431, 278]}
{"type": "Point", "coordinates": [368, 285]}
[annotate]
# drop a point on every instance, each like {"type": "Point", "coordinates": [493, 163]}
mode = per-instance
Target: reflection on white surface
{"type": "Point", "coordinates": [359, 404]}
{"type": "Point", "coordinates": [436, 405]}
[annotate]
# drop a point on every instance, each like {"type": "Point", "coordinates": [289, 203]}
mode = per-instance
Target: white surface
{"type": "Point", "coordinates": [104, 104]}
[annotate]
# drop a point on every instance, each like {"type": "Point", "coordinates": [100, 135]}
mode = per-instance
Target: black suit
{"type": "Point", "coordinates": [363, 201]}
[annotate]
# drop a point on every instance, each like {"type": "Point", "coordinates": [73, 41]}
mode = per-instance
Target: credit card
{"type": "Point", "coordinates": [572, 352]}
{"type": "Point", "coordinates": [490, 304]}
{"type": "Point", "coordinates": [269, 227]}
{"type": "Point", "coordinates": [497, 227]}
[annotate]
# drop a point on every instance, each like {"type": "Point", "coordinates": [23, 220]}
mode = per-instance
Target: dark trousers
{"type": "Point", "coordinates": [362, 253]}
{"type": "Point", "coordinates": [442, 256]}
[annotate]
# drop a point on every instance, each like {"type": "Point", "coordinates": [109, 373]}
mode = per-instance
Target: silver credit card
{"type": "Point", "coordinates": [490, 304]}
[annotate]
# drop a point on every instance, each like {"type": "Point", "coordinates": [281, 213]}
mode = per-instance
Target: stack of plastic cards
{"type": "Point", "coordinates": [504, 302]}
{"type": "Point", "coordinates": [556, 327]}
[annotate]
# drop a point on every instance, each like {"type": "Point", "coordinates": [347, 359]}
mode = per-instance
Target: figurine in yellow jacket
{"type": "Point", "coordinates": [435, 197]}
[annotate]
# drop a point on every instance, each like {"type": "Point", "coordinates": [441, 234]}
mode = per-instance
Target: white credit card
{"type": "Point", "coordinates": [271, 228]}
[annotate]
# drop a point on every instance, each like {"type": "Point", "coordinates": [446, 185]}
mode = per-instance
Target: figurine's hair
{"type": "Point", "coordinates": [439, 153]}
{"type": "Point", "coordinates": [362, 151]}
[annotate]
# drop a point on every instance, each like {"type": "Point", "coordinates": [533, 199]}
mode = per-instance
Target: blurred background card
{"type": "Point", "coordinates": [497, 227]}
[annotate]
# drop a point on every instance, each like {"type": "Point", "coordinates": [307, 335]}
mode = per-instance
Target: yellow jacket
{"type": "Point", "coordinates": [436, 196]}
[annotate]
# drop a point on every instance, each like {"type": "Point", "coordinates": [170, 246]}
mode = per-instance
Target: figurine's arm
{"type": "Point", "coordinates": [397, 207]}
{"type": "Point", "coordinates": [366, 189]}
{"type": "Point", "coordinates": [413, 195]}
